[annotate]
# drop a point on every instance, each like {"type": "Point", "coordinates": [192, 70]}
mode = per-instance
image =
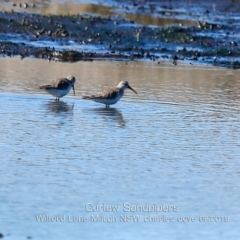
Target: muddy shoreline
{"type": "Point", "coordinates": [87, 38]}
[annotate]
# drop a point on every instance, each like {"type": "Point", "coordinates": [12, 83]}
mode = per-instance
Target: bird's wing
{"type": "Point", "coordinates": [110, 93]}
{"type": "Point", "coordinates": [61, 83]}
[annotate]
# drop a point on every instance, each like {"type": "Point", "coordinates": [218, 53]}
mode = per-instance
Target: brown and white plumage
{"type": "Point", "coordinates": [110, 96]}
{"type": "Point", "coordinates": [60, 87]}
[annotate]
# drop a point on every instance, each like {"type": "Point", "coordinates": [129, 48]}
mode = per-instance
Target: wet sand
{"type": "Point", "coordinates": [195, 33]}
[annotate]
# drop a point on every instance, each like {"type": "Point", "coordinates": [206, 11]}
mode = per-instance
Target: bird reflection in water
{"type": "Point", "coordinates": [59, 107]}
{"type": "Point", "coordinates": [111, 113]}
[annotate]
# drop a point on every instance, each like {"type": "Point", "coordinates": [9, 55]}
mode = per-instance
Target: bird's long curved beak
{"type": "Point", "coordinates": [73, 90]}
{"type": "Point", "coordinates": [132, 89]}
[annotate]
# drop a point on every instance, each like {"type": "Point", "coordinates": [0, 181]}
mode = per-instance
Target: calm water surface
{"type": "Point", "coordinates": [176, 143]}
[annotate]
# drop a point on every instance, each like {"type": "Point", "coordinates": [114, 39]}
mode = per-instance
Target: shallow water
{"type": "Point", "coordinates": [106, 9]}
{"type": "Point", "coordinates": [176, 143]}
{"type": "Point", "coordinates": [163, 13]}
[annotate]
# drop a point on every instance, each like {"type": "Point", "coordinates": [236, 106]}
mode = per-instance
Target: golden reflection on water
{"type": "Point", "coordinates": [151, 20]}
{"type": "Point", "coordinates": [72, 7]}
{"type": "Point", "coordinates": [53, 7]}
{"type": "Point", "coordinates": [153, 82]}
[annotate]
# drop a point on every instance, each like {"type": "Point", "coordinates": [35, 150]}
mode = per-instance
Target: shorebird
{"type": "Point", "coordinates": [110, 96]}
{"type": "Point", "coordinates": [60, 87]}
